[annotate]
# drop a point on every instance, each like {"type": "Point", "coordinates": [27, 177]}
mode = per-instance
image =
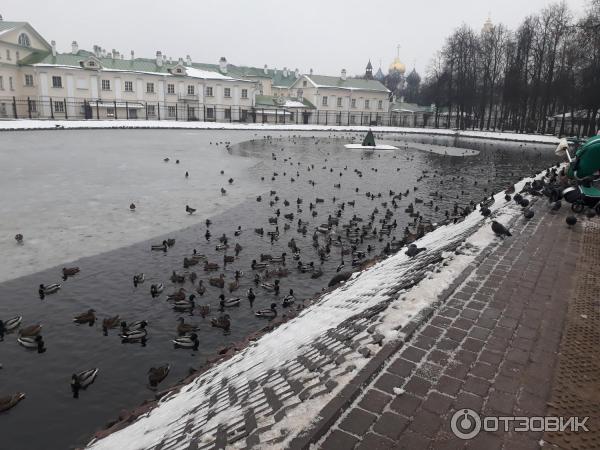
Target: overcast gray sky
{"type": "Point", "coordinates": [325, 35]}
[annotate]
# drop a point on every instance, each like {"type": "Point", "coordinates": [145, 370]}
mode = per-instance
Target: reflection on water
{"type": "Point", "coordinates": [104, 282]}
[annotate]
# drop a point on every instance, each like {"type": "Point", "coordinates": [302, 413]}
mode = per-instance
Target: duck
{"type": "Point", "coordinates": [238, 231]}
{"type": "Point", "coordinates": [110, 322]}
{"type": "Point", "coordinates": [234, 285]}
{"type": "Point", "coordinates": [185, 305]}
{"type": "Point", "coordinates": [87, 317]}
{"type": "Point", "coordinates": [267, 313]}
{"type": "Point", "coordinates": [10, 401]}
{"type": "Point", "coordinates": [13, 323]}
{"type": "Point", "coordinates": [176, 278]}
{"type": "Point", "coordinates": [166, 159]}
{"type": "Point", "coordinates": [222, 246]}
{"type": "Point", "coordinates": [189, 209]}
{"type": "Point", "coordinates": [190, 341]}
{"type": "Point", "coordinates": [289, 299]}
{"type": "Point", "coordinates": [316, 274]}
{"type": "Point", "coordinates": [223, 191]}
{"type": "Point", "coordinates": [156, 289]}
{"type": "Point", "coordinates": [217, 282]}
{"type": "Point", "coordinates": [305, 267]}
{"type": "Point", "coordinates": [185, 328]}
{"type": "Point", "coordinates": [258, 266]}
{"type": "Point", "coordinates": [159, 247]}
{"type": "Point", "coordinates": [279, 260]}
{"type": "Point", "coordinates": [47, 290]}
{"type": "Point", "coordinates": [170, 242]}
{"type": "Point", "coordinates": [31, 330]}
{"type": "Point", "coordinates": [132, 206]}
{"type": "Point", "coordinates": [222, 322]}
{"type": "Point", "coordinates": [228, 303]}
{"type": "Point", "coordinates": [201, 289]}
{"type": "Point", "coordinates": [138, 278]}
{"type": "Point", "coordinates": [32, 342]}
{"type": "Point", "coordinates": [19, 238]}
{"type": "Point", "coordinates": [157, 374]}
{"type": "Point", "coordinates": [204, 310]}
{"type": "Point", "coordinates": [177, 295]}
{"type": "Point", "coordinates": [210, 266]}
{"type": "Point", "coordinates": [69, 272]}
{"type": "Point", "coordinates": [137, 335]}
{"type": "Point", "coordinates": [259, 231]}
{"type": "Point", "coordinates": [82, 380]}
{"type": "Point", "coordinates": [230, 181]}
{"type": "Point", "coordinates": [133, 326]}
{"type": "Point", "coordinates": [271, 286]}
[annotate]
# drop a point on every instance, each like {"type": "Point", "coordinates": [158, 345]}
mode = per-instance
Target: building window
{"type": "Point", "coordinates": [304, 83]}
{"type": "Point", "coordinates": [110, 112]}
{"type": "Point", "coordinates": [367, 106]}
{"type": "Point", "coordinates": [129, 86]}
{"type": "Point", "coordinates": [33, 106]}
{"type": "Point", "coordinates": [324, 102]}
{"type": "Point", "coordinates": [151, 109]}
{"type": "Point", "coordinates": [227, 92]}
{"type": "Point", "coordinates": [24, 40]}
{"type": "Point", "coordinates": [28, 80]}
{"type": "Point", "coordinates": [209, 91]}
{"type": "Point", "coordinates": [191, 89]}
{"type": "Point", "coordinates": [1, 82]}
{"type": "Point", "coordinates": [171, 111]}
{"type": "Point", "coordinates": [92, 64]}
{"type": "Point", "coordinates": [380, 104]}
{"type": "Point", "coordinates": [244, 93]}
{"type": "Point", "coordinates": [228, 114]}
{"type": "Point", "coordinates": [106, 85]}
{"type": "Point", "coordinates": [10, 84]}
{"type": "Point", "coordinates": [170, 88]}
{"type": "Point", "coordinates": [150, 88]}
{"type": "Point", "coordinates": [59, 107]}
{"type": "Point", "coordinates": [56, 82]}
{"type": "Point", "coordinates": [338, 118]}
{"type": "Point", "coordinates": [8, 54]}
{"type": "Point", "coordinates": [210, 113]}
{"type": "Point", "coordinates": [18, 56]}
{"type": "Point", "coordinates": [339, 101]}
{"type": "Point", "coordinates": [353, 103]}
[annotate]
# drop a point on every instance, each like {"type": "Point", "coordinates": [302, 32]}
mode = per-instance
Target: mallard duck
{"type": "Point", "coordinates": [109, 323]}
{"type": "Point", "coordinates": [32, 342]}
{"type": "Point", "coordinates": [170, 242]}
{"type": "Point", "coordinates": [9, 401]}
{"type": "Point", "coordinates": [87, 317]}
{"type": "Point", "coordinates": [234, 285]}
{"type": "Point", "coordinates": [289, 299]}
{"type": "Point", "coordinates": [156, 289]}
{"type": "Point", "coordinates": [189, 210]}
{"type": "Point", "coordinates": [176, 278]}
{"type": "Point", "coordinates": [217, 282]}
{"type": "Point", "coordinates": [267, 313]}
{"type": "Point", "coordinates": [210, 266]}
{"type": "Point", "coordinates": [31, 330]}
{"type": "Point", "coordinates": [305, 267]}
{"type": "Point", "coordinates": [259, 231]}
{"type": "Point", "coordinates": [190, 341]}
{"type": "Point", "coordinates": [185, 305]}
{"type": "Point", "coordinates": [238, 231]}
{"type": "Point", "coordinates": [258, 266]}
{"type": "Point", "coordinates": [138, 278]}
{"type": "Point", "coordinates": [228, 259]}
{"type": "Point", "coordinates": [47, 290]}
{"type": "Point", "coordinates": [13, 323]}
{"type": "Point", "coordinates": [82, 380]}
{"type": "Point", "coordinates": [69, 271]}
{"type": "Point", "coordinates": [222, 246]}
{"type": "Point", "coordinates": [134, 335]}
{"type": "Point", "coordinates": [229, 303]}
{"type": "Point", "coordinates": [185, 328]}
{"type": "Point", "coordinates": [280, 259]}
{"type": "Point", "coordinates": [222, 322]}
{"type": "Point", "coordinates": [159, 247]}
{"type": "Point", "coordinates": [200, 289]}
{"type": "Point", "coordinates": [158, 374]}
{"type": "Point", "coordinates": [177, 295]}
{"type": "Point", "coordinates": [204, 310]}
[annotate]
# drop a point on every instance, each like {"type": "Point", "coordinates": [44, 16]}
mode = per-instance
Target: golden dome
{"type": "Point", "coordinates": [397, 66]}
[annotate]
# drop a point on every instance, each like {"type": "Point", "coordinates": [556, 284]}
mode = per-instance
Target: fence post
{"type": "Point", "coordinates": [116, 114]}
{"type": "Point", "coordinates": [127, 110]}
{"type": "Point", "coordinates": [263, 115]}
{"type": "Point", "coordinates": [29, 107]}
{"type": "Point", "coordinates": [158, 112]}
{"type": "Point", "coordinates": [239, 113]}
{"type": "Point", "coordinates": [326, 117]}
{"type": "Point", "coordinates": [176, 111]}
{"type": "Point", "coordinates": [51, 108]}
{"type": "Point", "coordinates": [15, 107]}
{"type": "Point", "coordinates": [97, 111]}
{"type": "Point", "coordinates": [66, 112]}
{"type": "Point", "coordinates": [146, 105]}
{"type": "Point", "coordinates": [230, 115]}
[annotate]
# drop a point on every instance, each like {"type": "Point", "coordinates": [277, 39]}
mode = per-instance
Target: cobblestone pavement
{"type": "Point", "coordinates": [491, 347]}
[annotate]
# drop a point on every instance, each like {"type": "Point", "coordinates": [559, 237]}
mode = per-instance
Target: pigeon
{"type": "Point", "coordinates": [528, 213]}
{"type": "Point", "coordinates": [413, 250]}
{"type": "Point", "coordinates": [500, 229]}
{"type": "Point", "coordinates": [508, 198]}
{"type": "Point", "coordinates": [230, 181]}
{"type": "Point", "coordinates": [556, 206]}
{"type": "Point", "coordinates": [187, 174]}
{"type": "Point", "coordinates": [190, 210]}
{"type": "Point", "coordinates": [132, 207]}
{"type": "Point", "coordinates": [571, 220]}
{"type": "Point", "coordinates": [518, 198]}
{"type": "Point", "coordinates": [166, 160]}
{"type": "Point", "coordinates": [485, 211]}
{"type": "Point", "coordinates": [525, 203]}
{"type": "Point", "coordinates": [223, 191]}
{"type": "Point", "coordinates": [19, 238]}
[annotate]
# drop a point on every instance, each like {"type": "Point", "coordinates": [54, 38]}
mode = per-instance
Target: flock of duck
{"type": "Point", "coordinates": [321, 235]}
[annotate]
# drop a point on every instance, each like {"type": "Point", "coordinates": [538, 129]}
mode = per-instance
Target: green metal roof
{"type": "Point", "coordinates": [6, 25]}
{"type": "Point", "coordinates": [410, 107]}
{"type": "Point", "coordinates": [270, 101]}
{"type": "Point", "coordinates": [348, 83]}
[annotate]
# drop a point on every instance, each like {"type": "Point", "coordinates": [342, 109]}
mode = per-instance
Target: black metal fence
{"type": "Point", "coordinates": [185, 110]}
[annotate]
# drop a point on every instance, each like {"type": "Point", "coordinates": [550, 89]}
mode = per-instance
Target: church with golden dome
{"type": "Point", "coordinates": [397, 66]}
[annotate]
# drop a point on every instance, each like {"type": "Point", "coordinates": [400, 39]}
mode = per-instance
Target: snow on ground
{"type": "Point", "coordinates": [26, 124]}
{"type": "Point", "coordinates": [185, 416]}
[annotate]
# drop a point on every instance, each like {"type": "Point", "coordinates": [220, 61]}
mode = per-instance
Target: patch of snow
{"type": "Point", "coordinates": [398, 391]}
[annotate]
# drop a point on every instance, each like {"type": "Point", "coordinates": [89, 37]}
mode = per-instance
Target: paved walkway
{"type": "Point", "coordinates": [493, 348]}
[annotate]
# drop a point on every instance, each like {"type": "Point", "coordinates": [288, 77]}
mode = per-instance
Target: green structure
{"type": "Point", "coordinates": [369, 140]}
